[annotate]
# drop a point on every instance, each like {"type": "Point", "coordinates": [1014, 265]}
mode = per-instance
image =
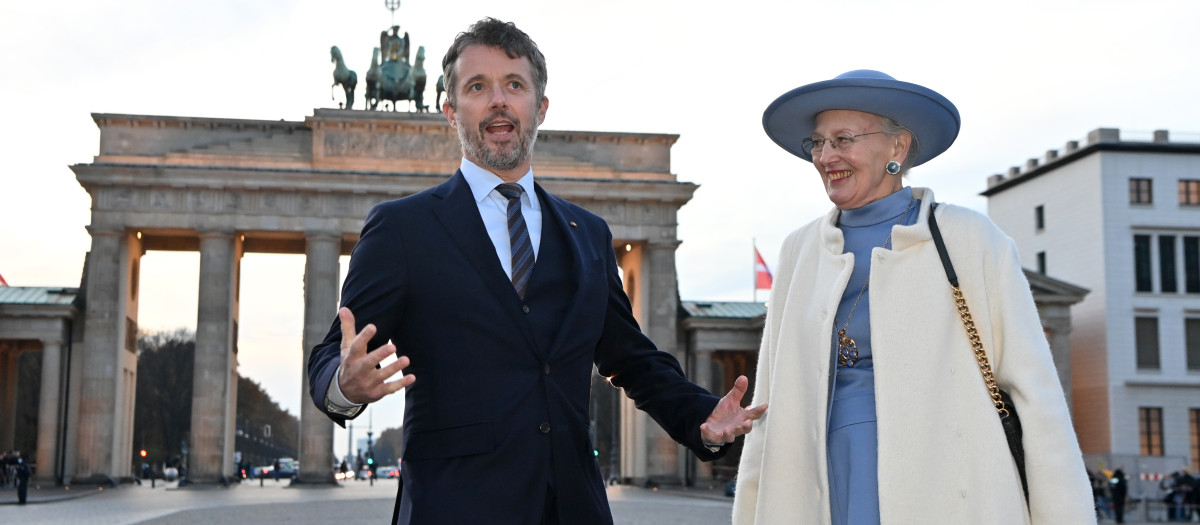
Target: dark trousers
{"type": "Point", "coordinates": [22, 491]}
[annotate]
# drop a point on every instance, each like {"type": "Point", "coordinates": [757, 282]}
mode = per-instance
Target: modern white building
{"type": "Point", "coordinates": [1122, 219]}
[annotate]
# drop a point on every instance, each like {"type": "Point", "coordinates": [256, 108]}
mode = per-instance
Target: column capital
{"type": "Point", "coordinates": [215, 233]}
{"type": "Point", "coordinates": [104, 231]}
{"type": "Point", "coordinates": [323, 235]}
{"type": "Point", "coordinates": [663, 244]}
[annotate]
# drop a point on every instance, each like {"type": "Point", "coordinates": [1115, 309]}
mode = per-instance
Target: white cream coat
{"type": "Point", "coordinates": [943, 457]}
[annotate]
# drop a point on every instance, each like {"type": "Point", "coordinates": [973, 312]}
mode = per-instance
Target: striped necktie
{"type": "Point", "coordinates": [518, 235]}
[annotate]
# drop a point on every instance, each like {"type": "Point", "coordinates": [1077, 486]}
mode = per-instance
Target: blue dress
{"type": "Point", "coordinates": [852, 440]}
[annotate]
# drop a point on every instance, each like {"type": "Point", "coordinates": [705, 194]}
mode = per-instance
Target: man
{"type": "Point", "coordinates": [1120, 492]}
{"type": "Point", "coordinates": [23, 473]}
{"type": "Point", "coordinates": [496, 406]}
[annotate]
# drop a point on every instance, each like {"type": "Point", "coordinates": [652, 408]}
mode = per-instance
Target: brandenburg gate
{"type": "Point", "coordinates": [226, 187]}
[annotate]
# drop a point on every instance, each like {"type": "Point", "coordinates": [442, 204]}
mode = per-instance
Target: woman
{"type": "Point", "coordinates": [879, 410]}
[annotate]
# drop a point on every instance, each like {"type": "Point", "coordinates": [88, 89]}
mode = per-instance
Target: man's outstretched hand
{"type": "Point", "coordinates": [729, 420]}
{"type": "Point", "coordinates": [360, 379]}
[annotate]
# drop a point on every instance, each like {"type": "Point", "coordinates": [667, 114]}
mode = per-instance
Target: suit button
{"type": "Point", "coordinates": [545, 428]}
{"type": "Point", "coordinates": [546, 369]}
{"type": "Point", "coordinates": [525, 308]}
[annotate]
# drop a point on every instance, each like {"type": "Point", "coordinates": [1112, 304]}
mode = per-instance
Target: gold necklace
{"type": "Point", "coordinates": [847, 349]}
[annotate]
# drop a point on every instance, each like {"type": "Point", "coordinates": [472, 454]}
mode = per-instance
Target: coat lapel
{"type": "Point", "coordinates": [553, 209]}
{"type": "Point", "coordinates": [459, 215]}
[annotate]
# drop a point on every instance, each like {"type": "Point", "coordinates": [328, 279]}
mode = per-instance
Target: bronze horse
{"type": "Point", "coordinates": [373, 78]}
{"type": "Point", "coordinates": [441, 88]}
{"type": "Point", "coordinates": [342, 75]}
{"type": "Point", "coordinates": [417, 94]}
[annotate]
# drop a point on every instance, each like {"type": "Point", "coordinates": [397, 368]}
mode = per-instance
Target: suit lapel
{"type": "Point", "coordinates": [459, 215]}
{"type": "Point", "coordinates": [554, 210]}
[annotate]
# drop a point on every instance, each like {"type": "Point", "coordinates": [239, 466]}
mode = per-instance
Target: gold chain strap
{"type": "Point", "coordinates": [984, 366]}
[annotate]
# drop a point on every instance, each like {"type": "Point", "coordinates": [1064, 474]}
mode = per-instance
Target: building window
{"type": "Point", "coordinates": [1139, 191]}
{"type": "Point", "coordinates": [1189, 192]}
{"type": "Point", "coordinates": [1166, 263]}
{"type": "Point", "coordinates": [1150, 428]}
{"type": "Point", "coordinates": [1191, 337]}
{"type": "Point", "coordinates": [1041, 261]}
{"type": "Point", "coordinates": [1039, 218]}
{"type": "Point", "coordinates": [1141, 262]}
{"type": "Point", "coordinates": [1191, 264]}
{"type": "Point", "coordinates": [1146, 332]}
{"type": "Point", "coordinates": [1194, 424]}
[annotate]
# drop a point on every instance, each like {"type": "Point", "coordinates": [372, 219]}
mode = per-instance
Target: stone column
{"type": "Point", "coordinates": [102, 370]}
{"type": "Point", "coordinates": [633, 422]}
{"type": "Point", "coordinates": [1056, 323]}
{"type": "Point", "coordinates": [702, 374]}
{"type": "Point", "coordinates": [321, 275]}
{"type": "Point", "coordinates": [663, 295]}
{"type": "Point", "coordinates": [214, 383]}
{"type": "Point", "coordinates": [664, 456]}
{"type": "Point", "coordinates": [8, 395]}
{"type": "Point", "coordinates": [48, 411]}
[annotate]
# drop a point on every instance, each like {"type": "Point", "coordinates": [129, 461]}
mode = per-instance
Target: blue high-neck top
{"type": "Point", "coordinates": [865, 229]}
{"type": "Point", "coordinates": [853, 441]}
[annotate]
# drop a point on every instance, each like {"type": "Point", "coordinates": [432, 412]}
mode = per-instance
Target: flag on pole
{"type": "Point", "coordinates": [2, 281]}
{"type": "Point", "coordinates": [762, 274]}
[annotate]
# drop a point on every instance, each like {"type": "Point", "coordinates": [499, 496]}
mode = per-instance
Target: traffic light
{"type": "Point", "coordinates": [143, 452]}
{"type": "Point", "coordinates": [370, 458]}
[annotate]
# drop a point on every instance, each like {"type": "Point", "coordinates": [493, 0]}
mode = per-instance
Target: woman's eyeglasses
{"type": "Point", "coordinates": [842, 143]}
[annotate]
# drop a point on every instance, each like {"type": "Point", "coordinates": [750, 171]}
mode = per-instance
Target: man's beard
{"type": "Point", "coordinates": [500, 157]}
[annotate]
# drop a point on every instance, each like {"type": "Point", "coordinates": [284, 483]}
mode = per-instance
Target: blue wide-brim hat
{"type": "Point", "coordinates": [932, 118]}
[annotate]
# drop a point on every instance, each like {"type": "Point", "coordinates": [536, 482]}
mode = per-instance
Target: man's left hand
{"type": "Point", "coordinates": [729, 420]}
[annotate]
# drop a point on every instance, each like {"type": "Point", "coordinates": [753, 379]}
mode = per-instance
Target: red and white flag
{"type": "Point", "coordinates": [762, 274]}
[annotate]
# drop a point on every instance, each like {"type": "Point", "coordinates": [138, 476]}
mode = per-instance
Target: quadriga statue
{"type": "Point", "coordinates": [391, 77]}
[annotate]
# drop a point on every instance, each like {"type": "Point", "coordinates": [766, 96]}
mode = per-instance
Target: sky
{"type": "Point", "coordinates": [1026, 76]}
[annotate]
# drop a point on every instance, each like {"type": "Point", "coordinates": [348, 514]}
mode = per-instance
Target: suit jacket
{"type": "Point", "coordinates": [499, 412]}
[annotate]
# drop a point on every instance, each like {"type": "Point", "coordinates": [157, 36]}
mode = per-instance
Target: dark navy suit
{"type": "Point", "coordinates": [498, 416]}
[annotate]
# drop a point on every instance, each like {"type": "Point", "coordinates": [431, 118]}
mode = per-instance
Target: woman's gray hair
{"type": "Point", "coordinates": [893, 128]}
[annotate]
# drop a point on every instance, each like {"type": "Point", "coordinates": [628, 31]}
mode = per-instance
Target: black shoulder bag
{"type": "Point", "coordinates": [1004, 405]}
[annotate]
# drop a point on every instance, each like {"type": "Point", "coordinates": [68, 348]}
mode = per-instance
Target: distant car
{"type": "Point", "coordinates": [363, 473]}
{"type": "Point", "coordinates": [387, 472]}
{"type": "Point", "coordinates": [288, 469]}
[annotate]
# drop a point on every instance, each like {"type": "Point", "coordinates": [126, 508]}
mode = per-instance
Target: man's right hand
{"type": "Point", "coordinates": [360, 379]}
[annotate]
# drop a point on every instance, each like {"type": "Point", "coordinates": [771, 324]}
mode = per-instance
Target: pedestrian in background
{"type": "Point", "coordinates": [22, 474]}
{"type": "Point", "coordinates": [1192, 504]}
{"type": "Point", "coordinates": [4, 476]}
{"type": "Point", "coordinates": [880, 405]}
{"type": "Point", "coordinates": [1119, 488]}
{"type": "Point", "coordinates": [1100, 494]}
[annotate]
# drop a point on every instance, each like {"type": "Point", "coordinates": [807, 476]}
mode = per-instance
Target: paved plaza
{"type": "Point", "coordinates": [354, 502]}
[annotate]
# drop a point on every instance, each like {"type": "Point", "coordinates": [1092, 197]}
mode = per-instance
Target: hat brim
{"type": "Point", "coordinates": [791, 118]}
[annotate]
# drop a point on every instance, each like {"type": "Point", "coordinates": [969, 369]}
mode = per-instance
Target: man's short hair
{"type": "Point", "coordinates": [504, 35]}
